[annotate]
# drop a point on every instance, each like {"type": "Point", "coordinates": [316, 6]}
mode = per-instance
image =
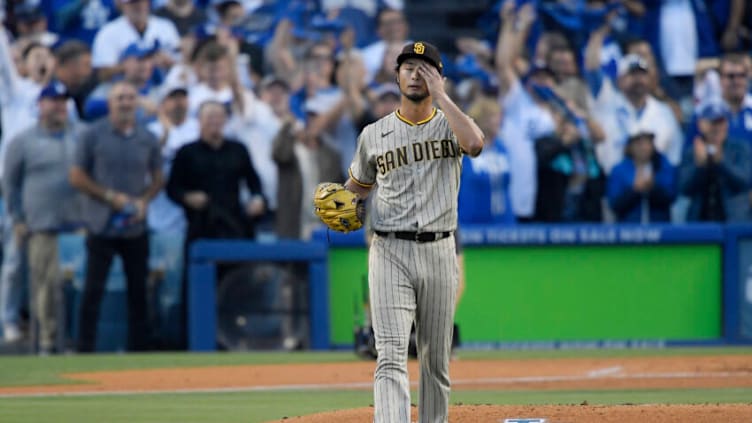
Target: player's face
{"type": "Point", "coordinates": [411, 83]}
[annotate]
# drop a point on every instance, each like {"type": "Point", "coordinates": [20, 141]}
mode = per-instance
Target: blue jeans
{"type": "Point", "coordinates": [11, 275]}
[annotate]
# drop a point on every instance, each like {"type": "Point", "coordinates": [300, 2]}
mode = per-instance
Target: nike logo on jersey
{"type": "Point", "coordinates": [383, 134]}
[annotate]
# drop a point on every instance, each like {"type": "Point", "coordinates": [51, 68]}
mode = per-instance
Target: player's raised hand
{"type": "Point", "coordinates": [434, 80]}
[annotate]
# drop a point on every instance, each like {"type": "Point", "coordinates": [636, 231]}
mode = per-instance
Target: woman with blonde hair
{"type": "Point", "coordinates": [484, 186]}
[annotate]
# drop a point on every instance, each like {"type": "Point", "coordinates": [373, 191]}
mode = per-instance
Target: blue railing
{"type": "Point", "coordinates": [736, 241]}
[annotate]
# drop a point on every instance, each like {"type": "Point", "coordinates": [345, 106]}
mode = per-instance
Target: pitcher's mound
{"type": "Point", "coordinates": [697, 413]}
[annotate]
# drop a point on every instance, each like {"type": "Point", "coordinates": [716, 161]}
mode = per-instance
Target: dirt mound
{"type": "Point", "coordinates": [698, 413]}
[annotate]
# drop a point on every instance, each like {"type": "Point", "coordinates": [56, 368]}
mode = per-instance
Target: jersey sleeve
{"type": "Point", "coordinates": [362, 169]}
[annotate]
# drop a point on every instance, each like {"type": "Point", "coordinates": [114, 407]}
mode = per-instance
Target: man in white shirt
{"type": "Point", "coordinates": [630, 105]}
{"type": "Point", "coordinates": [256, 125]}
{"type": "Point", "coordinates": [392, 29]}
{"type": "Point", "coordinates": [135, 25]}
{"type": "Point", "coordinates": [174, 129]}
{"type": "Point", "coordinates": [526, 117]}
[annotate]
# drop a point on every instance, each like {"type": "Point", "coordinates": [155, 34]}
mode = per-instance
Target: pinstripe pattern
{"type": "Point", "coordinates": [410, 280]}
{"type": "Point", "coordinates": [417, 170]}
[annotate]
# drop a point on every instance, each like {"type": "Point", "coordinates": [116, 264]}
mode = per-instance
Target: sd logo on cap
{"type": "Point", "coordinates": [421, 50]}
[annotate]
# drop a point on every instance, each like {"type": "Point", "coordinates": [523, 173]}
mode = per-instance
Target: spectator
{"type": "Point", "coordinates": [206, 177]}
{"type": "Point", "coordinates": [563, 63]}
{"type": "Point", "coordinates": [392, 29]}
{"type": "Point", "coordinates": [658, 79]}
{"type": "Point", "coordinates": [386, 99]}
{"type": "Point", "coordinates": [74, 70]}
{"type": "Point", "coordinates": [214, 66]}
{"type": "Point", "coordinates": [138, 65]}
{"type": "Point", "coordinates": [136, 25]}
{"type": "Point", "coordinates": [386, 74]}
{"type": "Point", "coordinates": [359, 15]}
{"type": "Point", "coordinates": [18, 108]}
{"type": "Point", "coordinates": [333, 110]}
{"type": "Point", "coordinates": [621, 110]}
{"type": "Point", "coordinates": [681, 32]}
{"type": "Point", "coordinates": [484, 187]}
{"type": "Point", "coordinates": [42, 203]}
{"type": "Point", "coordinates": [174, 129]}
{"type": "Point", "coordinates": [205, 180]}
{"type": "Point", "coordinates": [18, 95]}
{"type": "Point", "coordinates": [727, 78]}
{"type": "Point", "coordinates": [570, 182]}
{"type": "Point", "coordinates": [79, 19]}
{"type": "Point", "coordinates": [317, 70]}
{"type": "Point", "coordinates": [275, 92]}
{"type": "Point", "coordinates": [302, 161]}
{"type": "Point", "coordinates": [31, 23]}
{"type": "Point", "coordinates": [183, 13]}
{"type": "Point", "coordinates": [715, 172]}
{"type": "Point", "coordinates": [118, 166]}
{"type": "Point", "coordinates": [229, 12]}
{"type": "Point", "coordinates": [642, 188]}
{"type": "Point", "coordinates": [255, 125]}
{"type": "Point", "coordinates": [250, 55]}
{"type": "Point", "coordinates": [527, 117]}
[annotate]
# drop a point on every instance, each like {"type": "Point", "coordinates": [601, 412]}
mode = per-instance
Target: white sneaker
{"type": "Point", "coordinates": [11, 333]}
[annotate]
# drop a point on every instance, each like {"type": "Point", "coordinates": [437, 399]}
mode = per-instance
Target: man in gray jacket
{"type": "Point", "coordinates": [42, 203]}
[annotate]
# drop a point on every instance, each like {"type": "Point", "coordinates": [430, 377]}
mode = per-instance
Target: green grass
{"type": "Point", "coordinates": [256, 407]}
{"type": "Point", "coordinates": [31, 370]}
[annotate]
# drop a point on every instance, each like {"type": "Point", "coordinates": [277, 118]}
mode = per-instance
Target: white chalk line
{"type": "Point", "coordinates": [605, 371]}
{"type": "Point", "coordinates": [599, 374]}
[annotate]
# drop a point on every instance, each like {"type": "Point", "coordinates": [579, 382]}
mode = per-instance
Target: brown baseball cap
{"type": "Point", "coordinates": [421, 50]}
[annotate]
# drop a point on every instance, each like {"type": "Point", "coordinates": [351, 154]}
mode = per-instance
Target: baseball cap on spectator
{"type": "Point", "coordinates": [25, 12]}
{"type": "Point", "coordinates": [169, 90]}
{"type": "Point", "coordinates": [138, 51]}
{"type": "Point", "coordinates": [539, 67]}
{"type": "Point", "coordinates": [273, 80]}
{"type": "Point", "coordinates": [639, 133]}
{"type": "Point", "coordinates": [631, 63]}
{"type": "Point", "coordinates": [54, 89]}
{"type": "Point", "coordinates": [713, 110]}
{"type": "Point", "coordinates": [421, 50]}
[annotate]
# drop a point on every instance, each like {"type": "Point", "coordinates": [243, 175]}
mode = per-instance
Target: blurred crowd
{"type": "Point", "coordinates": [217, 118]}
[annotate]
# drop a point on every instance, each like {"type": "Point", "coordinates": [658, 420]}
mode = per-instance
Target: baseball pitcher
{"type": "Point", "coordinates": [414, 155]}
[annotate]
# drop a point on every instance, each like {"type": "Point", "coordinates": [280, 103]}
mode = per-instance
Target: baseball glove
{"type": "Point", "coordinates": [339, 208]}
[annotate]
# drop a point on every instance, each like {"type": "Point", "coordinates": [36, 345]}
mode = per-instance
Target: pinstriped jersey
{"type": "Point", "coordinates": [416, 167]}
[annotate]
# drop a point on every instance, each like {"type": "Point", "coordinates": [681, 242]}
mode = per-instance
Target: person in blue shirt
{"type": "Point", "coordinates": [484, 185]}
{"type": "Point", "coordinates": [79, 19]}
{"type": "Point", "coordinates": [642, 187]}
{"type": "Point", "coordinates": [735, 92]}
{"type": "Point", "coordinates": [138, 66]}
{"type": "Point", "coordinates": [715, 171]}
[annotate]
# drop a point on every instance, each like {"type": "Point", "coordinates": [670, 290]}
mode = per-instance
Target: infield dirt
{"type": "Point", "coordinates": [723, 371]}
